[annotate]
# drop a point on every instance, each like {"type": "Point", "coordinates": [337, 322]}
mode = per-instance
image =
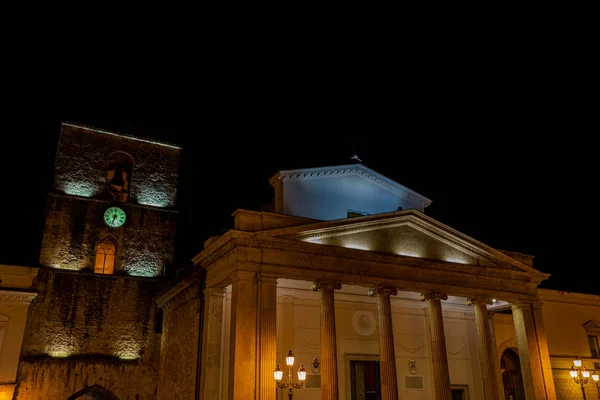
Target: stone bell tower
{"type": "Point", "coordinates": [94, 330]}
{"type": "Point", "coordinates": [112, 204]}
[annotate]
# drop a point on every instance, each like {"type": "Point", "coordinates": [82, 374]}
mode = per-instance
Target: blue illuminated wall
{"type": "Point", "coordinates": [328, 193]}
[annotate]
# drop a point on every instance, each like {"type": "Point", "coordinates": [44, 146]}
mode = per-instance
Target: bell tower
{"type": "Point", "coordinates": [112, 205]}
{"type": "Point", "coordinates": [108, 239]}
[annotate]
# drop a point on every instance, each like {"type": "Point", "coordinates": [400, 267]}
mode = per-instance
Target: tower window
{"type": "Point", "coordinates": [594, 346]}
{"type": "Point", "coordinates": [105, 257]}
{"type": "Point", "coordinates": [118, 176]}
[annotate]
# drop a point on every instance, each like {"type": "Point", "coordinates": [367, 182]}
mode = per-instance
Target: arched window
{"type": "Point", "coordinates": [105, 257]}
{"type": "Point", "coordinates": [118, 176]}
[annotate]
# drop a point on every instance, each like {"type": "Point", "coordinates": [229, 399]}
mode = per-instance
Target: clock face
{"type": "Point", "coordinates": [114, 217]}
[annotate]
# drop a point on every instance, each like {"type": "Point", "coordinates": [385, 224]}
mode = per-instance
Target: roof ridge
{"type": "Point", "coordinates": [124, 135]}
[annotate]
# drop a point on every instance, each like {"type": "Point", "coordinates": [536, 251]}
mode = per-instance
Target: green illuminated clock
{"type": "Point", "coordinates": [114, 217]}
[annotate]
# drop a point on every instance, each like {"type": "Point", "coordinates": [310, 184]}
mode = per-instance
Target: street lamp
{"type": "Point", "coordinates": [580, 375]}
{"type": "Point", "coordinates": [289, 382]}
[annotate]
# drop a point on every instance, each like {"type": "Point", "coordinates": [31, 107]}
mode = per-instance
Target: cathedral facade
{"type": "Point", "coordinates": [347, 289]}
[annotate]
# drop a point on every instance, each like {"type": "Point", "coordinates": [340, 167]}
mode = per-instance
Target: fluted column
{"type": "Point", "coordinates": [210, 365]}
{"type": "Point", "coordinates": [533, 352]}
{"type": "Point", "coordinates": [387, 356]}
{"type": "Point", "coordinates": [267, 289]}
{"type": "Point", "coordinates": [484, 344]}
{"type": "Point", "coordinates": [242, 350]}
{"type": "Point", "coordinates": [439, 356]}
{"type": "Point", "coordinates": [329, 379]}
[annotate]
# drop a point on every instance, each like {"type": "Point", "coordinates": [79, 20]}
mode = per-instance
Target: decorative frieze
{"type": "Point", "coordinates": [434, 296]}
{"type": "Point", "coordinates": [390, 291]}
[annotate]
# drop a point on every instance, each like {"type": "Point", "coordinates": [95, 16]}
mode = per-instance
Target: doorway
{"type": "Point", "coordinates": [512, 380]}
{"type": "Point", "coordinates": [364, 380]}
{"type": "Point", "coordinates": [460, 392]}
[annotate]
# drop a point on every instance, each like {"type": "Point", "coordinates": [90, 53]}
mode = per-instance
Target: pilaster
{"type": "Point", "coordinates": [533, 367]}
{"type": "Point", "coordinates": [242, 353]}
{"type": "Point", "coordinates": [267, 336]}
{"type": "Point", "coordinates": [495, 357]}
{"type": "Point", "coordinates": [210, 365]}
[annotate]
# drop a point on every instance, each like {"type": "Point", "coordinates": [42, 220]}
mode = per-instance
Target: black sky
{"type": "Point", "coordinates": [517, 175]}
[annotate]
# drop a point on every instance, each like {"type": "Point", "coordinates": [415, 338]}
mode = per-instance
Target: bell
{"type": "Point", "coordinates": [117, 179]}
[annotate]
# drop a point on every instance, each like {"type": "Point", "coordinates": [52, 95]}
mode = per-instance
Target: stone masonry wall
{"type": "Point", "coordinates": [74, 226]}
{"type": "Point", "coordinates": [179, 346]}
{"type": "Point", "coordinates": [86, 329]}
{"type": "Point", "coordinates": [81, 164]}
{"type": "Point", "coordinates": [567, 389]}
{"type": "Point", "coordinates": [59, 379]}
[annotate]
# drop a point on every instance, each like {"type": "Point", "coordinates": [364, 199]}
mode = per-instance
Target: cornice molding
{"type": "Point", "coordinates": [558, 296]}
{"type": "Point", "coordinates": [296, 246]}
{"type": "Point", "coordinates": [358, 170]}
{"type": "Point", "coordinates": [14, 297]}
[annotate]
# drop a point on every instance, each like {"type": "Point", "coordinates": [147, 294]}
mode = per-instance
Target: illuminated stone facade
{"type": "Point", "coordinates": [90, 334]}
{"type": "Point", "coordinates": [435, 309]}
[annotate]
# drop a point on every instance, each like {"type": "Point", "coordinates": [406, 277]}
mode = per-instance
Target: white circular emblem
{"type": "Point", "coordinates": [364, 322]}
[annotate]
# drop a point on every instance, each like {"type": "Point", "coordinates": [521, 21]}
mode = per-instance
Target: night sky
{"type": "Point", "coordinates": [512, 177]}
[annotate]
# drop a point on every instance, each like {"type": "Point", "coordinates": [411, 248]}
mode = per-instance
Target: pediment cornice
{"type": "Point", "coordinates": [358, 170]}
{"type": "Point", "coordinates": [592, 327]}
{"type": "Point", "coordinates": [296, 259]}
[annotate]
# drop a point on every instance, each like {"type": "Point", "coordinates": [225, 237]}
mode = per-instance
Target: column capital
{"type": "Point", "coordinates": [213, 291]}
{"type": "Point", "coordinates": [322, 285]}
{"type": "Point", "coordinates": [267, 278]}
{"type": "Point", "coordinates": [520, 304]}
{"type": "Point", "coordinates": [384, 290]}
{"type": "Point", "coordinates": [479, 300]}
{"type": "Point", "coordinates": [433, 295]}
{"type": "Point", "coordinates": [243, 275]}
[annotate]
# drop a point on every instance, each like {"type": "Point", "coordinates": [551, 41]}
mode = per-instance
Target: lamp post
{"type": "Point", "coordinates": [580, 375]}
{"type": "Point", "coordinates": [289, 382]}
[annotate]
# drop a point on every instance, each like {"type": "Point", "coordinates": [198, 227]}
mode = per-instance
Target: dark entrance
{"type": "Point", "coordinates": [364, 380]}
{"type": "Point", "coordinates": [511, 375]}
{"type": "Point", "coordinates": [95, 392]}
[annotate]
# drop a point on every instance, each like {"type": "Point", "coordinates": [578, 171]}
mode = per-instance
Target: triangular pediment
{"type": "Point", "coordinates": [592, 327]}
{"type": "Point", "coordinates": [406, 233]}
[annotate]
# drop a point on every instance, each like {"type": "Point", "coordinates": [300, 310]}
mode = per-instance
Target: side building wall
{"type": "Point", "coordinates": [85, 330]}
{"type": "Point", "coordinates": [179, 347]}
{"type": "Point", "coordinates": [564, 315]}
